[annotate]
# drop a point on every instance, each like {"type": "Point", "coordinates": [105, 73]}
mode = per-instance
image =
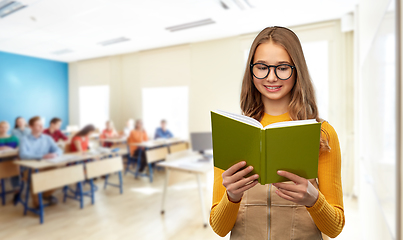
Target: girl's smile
{"type": "Point", "coordinates": [273, 88]}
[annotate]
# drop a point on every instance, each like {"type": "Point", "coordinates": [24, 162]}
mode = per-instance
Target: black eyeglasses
{"type": "Point", "coordinates": [261, 70]}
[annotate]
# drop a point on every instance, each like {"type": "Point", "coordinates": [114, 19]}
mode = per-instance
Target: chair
{"type": "Point", "coordinates": [47, 180]}
{"type": "Point", "coordinates": [131, 160]}
{"type": "Point", "coordinates": [154, 155]}
{"type": "Point", "coordinates": [178, 147]}
{"type": "Point", "coordinates": [7, 169]}
{"type": "Point", "coordinates": [104, 167]}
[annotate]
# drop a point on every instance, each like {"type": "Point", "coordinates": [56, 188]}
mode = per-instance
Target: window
{"type": "Point", "coordinates": [169, 103]}
{"type": "Point", "coordinates": [94, 105]}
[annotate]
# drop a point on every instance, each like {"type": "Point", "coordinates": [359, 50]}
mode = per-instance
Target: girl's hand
{"type": "Point", "coordinates": [235, 183]}
{"type": "Point", "coordinates": [302, 192]}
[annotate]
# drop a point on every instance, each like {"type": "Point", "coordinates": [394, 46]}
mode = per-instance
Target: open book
{"type": "Point", "coordinates": [292, 146]}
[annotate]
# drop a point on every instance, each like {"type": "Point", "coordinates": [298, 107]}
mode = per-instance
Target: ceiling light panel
{"type": "Point", "coordinates": [190, 25]}
{"type": "Point", "coordinates": [114, 41]}
{"type": "Point", "coordinates": [62, 51]}
{"type": "Point", "coordinates": [9, 7]}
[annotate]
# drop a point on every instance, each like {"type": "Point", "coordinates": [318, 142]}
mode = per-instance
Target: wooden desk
{"type": "Point", "coordinates": [36, 165]}
{"type": "Point", "coordinates": [9, 153]}
{"type": "Point", "coordinates": [190, 164]}
{"type": "Point", "coordinates": [115, 141]}
{"type": "Point", "coordinates": [47, 163]}
{"type": "Point", "coordinates": [143, 146]}
{"type": "Point", "coordinates": [158, 142]}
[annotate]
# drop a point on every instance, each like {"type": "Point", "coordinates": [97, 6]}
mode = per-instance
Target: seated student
{"type": "Point", "coordinates": [79, 143]}
{"type": "Point", "coordinates": [9, 142]}
{"type": "Point", "coordinates": [128, 128]}
{"type": "Point", "coordinates": [54, 130]}
{"type": "Point", "coordinates": [163, 132]}
{"type": "Point", "coordinates": [108, 133]}
{"type": "Point", "coordinates": [37, 145]}
{"type": "Point", "coordinates": [20, 128]}
{"type": "Point", "coordinates": [138, 135]}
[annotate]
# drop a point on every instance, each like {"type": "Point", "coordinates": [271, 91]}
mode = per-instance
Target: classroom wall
{"type": "Point", "coordinates": [32, 86]}
{"type": "Point", "coordinates": [370, 14]}
{"type": "Point", "coordinates": [198, 66]}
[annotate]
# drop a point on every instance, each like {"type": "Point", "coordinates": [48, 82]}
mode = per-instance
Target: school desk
{"type": "Point", "coordinates": [190, 163]}
{"type": "Point", "coordinates": [151, 144]}
{"type": "Point", "coordinates": [60, 170]}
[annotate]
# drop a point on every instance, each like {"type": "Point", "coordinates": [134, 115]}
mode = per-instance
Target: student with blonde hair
{"type": "Point", "coordinates": [108, 133]}
{"type": "Point", "coordinates": [7, 141]}
{"type": "Point", "coordinates": [277, 87]}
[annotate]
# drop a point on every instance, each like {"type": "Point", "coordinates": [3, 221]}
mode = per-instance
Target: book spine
{"type": "Point", "coordinates": [262, 170]}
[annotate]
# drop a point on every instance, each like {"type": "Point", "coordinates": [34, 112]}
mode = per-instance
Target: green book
{"type": "Point", "coordinates": [292, 146]}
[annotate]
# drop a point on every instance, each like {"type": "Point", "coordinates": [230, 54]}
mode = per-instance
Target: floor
{"type": "Point", "coordinates": [133, 215]}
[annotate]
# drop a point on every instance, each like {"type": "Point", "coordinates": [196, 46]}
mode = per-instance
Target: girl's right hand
{"type": "Point", "coordinates": [235, 183]}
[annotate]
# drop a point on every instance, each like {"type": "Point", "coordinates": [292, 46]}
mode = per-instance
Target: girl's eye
{"type": "Point", "coordinates": [262, 68]}
{"type": "Point", "coordinates": [283, 68]}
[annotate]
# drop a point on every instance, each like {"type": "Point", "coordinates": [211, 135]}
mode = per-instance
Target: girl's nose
{"type": "Point", "coordinates": [272, 75]}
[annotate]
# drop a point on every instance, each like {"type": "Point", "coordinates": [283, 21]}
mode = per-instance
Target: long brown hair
{"type": "Point", "coordinates": [303, 104]}
{"type": "Point", "coordinates": [85, 130]}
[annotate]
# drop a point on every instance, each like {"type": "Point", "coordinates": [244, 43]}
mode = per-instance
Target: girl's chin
{"type": "Point", "coordinates": [274, 98]}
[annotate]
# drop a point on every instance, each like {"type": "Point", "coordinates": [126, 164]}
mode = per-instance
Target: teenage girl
{"type": "Point", "coordinates": [277, 87]}
{"type": "Point", "coordinates": [80, 141]}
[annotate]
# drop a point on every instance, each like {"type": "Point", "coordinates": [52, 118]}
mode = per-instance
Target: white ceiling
{"type": "Point", "coordinates": [46, 26]}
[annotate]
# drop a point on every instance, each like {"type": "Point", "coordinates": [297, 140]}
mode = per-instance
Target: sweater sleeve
{"type": "Point", "coordinates": [223, 212]}
{"type": "Point", "coordinates": [328, 212]}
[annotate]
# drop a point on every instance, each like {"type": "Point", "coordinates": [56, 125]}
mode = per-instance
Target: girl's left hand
{"type": "Point", "coordinates": [302, 192]}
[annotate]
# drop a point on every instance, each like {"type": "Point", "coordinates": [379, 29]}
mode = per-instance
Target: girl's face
{"type": "Point", "coordinates": [21, 123]}
{"type": "Point", "coordinates": [271, 87]}
{"type": "Point", "coordinates": [3, 128]}
{"type": "Point", "coordinates": [139, 125]}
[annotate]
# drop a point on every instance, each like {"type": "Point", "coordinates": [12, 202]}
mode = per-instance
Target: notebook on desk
{"type": "Point", "coordinates": [62, 158]}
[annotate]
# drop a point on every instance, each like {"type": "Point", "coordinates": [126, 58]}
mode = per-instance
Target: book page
{"type": "Point", "coordinates": [240, 118]}
{"type": "Point", "coordinates": [290, 123]}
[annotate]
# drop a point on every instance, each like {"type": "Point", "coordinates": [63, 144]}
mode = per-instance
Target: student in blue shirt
{"type": "Point", "coordinates": [20, 128]}
{"type": "Point", "coordinates": [37, 145]}
{"type": "Point", "coordinates": [163, 132]}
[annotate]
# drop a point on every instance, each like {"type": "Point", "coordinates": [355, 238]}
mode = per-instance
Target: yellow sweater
{"type": "Point", "coordinates": [327, 212]}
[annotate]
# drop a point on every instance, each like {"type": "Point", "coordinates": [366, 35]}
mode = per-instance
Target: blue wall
{"type": "Point", "coordinates": [32, 86]}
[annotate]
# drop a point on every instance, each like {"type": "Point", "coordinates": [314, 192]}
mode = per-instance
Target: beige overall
{"type": "Point", "coordinates": [264, 215]}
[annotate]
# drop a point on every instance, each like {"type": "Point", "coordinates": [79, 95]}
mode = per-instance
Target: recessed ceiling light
{"type": "Point", "coordinates": [114, 41]}
{"type": "Point", "coordinates": [62, 51]}
{"type": "Point", "coordinates": [191, 25]}
{"type": "Point", "coordinates": [8, 7]}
